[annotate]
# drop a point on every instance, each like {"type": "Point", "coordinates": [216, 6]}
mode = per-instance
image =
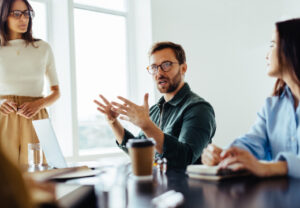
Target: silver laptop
{"type": "Point", "coordinates": [49, 143]}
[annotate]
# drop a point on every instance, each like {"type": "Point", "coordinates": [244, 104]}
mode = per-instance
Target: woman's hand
{"type": "Point", "coordinates": [211, 155]}
{"type": "Point", "coordinates": [7, 107]}
{"type": "Point", "coordinates": [111, 116]}
{"type": "Point", "coordinates": [30, 109]}
{"type": "Point", "coordinates": [239, 159]}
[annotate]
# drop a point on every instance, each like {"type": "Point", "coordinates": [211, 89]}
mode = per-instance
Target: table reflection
{"type": "Point", "coordinates": [116, 188]}
{"type": "Point", "coordinates": [244, 192]}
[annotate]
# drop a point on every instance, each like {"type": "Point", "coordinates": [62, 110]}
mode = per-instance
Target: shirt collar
{"type": "Point", "coordinates": [286, 92]}
{"type": "Point", "coordinates": [180, 95]}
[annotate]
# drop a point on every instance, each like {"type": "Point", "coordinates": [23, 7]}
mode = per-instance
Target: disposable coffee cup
{"type": "Point", "coordinates": [141, 152]}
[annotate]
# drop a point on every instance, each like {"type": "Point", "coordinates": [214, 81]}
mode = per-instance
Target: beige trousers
{"type": "Point", "coordinates": [16, 131]}
{"type": "Point", "coordinates": [13, 190]}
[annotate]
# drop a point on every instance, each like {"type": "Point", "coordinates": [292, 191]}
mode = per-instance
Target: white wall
{"type": "Point", "coordinates": [226, 44]}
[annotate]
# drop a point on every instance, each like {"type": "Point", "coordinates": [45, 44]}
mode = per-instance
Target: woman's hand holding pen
{"type": "Point", "coordinates": [233, 158]}
{"type": "Point", "coordinates": [7, 107]}
{"type": "Point", "coordinates": [236, 159]}
{"type": "Point", "coordinates": [211, 155]}
{"type": "Point", "coordinates": [244, 160]}
{"type": "Point", "coordinates": [30, 109]}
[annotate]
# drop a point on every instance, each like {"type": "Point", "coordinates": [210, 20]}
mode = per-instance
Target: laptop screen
{"type": "Point", "coordinates": [49, 143]}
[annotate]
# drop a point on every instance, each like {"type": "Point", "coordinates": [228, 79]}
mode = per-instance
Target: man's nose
{"type": "Point", "coordinates": [159, 73]}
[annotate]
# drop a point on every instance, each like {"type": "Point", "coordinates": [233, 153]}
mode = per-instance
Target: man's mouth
{"type": "Point", "coordinates": [162, 82]}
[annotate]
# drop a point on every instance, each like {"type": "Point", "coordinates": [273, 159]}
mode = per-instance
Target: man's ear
{"type": "Point", "coordinates": [183, 68]}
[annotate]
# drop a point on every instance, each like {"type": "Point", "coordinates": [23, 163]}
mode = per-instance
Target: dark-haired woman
{"type": "Point", "coordinates": [272, 146]}
{"type": "Point", "coordinates": [24, 63]}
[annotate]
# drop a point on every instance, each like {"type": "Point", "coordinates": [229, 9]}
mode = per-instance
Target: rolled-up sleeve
{"type": "Point", "coordinates": [293, 162]}
{"type": "Point", "coordinates": [127, 135]}
{"type": "Point", "coordinates": [197, 129]}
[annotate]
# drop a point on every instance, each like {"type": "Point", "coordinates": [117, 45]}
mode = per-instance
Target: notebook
{"type": "Point", "coordinates": [213, 173]}
{"type": "Point", "coordinates": [54, 155]}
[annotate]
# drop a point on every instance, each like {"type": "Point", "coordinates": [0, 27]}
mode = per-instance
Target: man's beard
{"type": "Point", "coordinates": [173, 84]}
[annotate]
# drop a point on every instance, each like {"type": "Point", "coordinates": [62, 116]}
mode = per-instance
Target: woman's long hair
{"type": "Point", "coordinates": [5, 9]}
{"type": "Point", "coordinates": [288, 50]}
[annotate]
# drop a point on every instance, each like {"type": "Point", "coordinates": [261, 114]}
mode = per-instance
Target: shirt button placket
{"type": "Point", "coordinates": [294, 144]}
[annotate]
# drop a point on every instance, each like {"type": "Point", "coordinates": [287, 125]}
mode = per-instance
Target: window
{"type": "Point", "coordinates": [94, 43]}
{"type": "Point", "coordinates": [101, 67]}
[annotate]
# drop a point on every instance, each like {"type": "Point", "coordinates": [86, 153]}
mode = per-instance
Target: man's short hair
{"type": "Point", "coordinates": [176, 48]}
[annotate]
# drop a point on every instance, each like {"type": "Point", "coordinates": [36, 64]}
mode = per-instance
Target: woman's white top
{"type": "Point", "coordinates": [23, 68]}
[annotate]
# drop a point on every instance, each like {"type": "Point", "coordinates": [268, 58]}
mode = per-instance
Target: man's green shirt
{"type": "Point", "coordinates": [188, 123]}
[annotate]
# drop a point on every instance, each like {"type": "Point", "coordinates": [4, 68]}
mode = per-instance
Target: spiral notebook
{"type": "Point", "coordinates": [213, 173]}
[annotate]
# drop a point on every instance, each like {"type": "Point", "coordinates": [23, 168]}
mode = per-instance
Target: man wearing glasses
{"type": "Point", "coordinates": [181, 123]}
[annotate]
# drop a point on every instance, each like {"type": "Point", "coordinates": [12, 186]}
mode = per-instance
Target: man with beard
{"type": "Point", "coordinates": [181, 123]}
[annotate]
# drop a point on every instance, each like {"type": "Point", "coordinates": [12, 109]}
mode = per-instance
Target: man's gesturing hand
{"type": "Point", "coordinates": [111, 116]}
{"type": "Point", "coordinates": [136, 114]}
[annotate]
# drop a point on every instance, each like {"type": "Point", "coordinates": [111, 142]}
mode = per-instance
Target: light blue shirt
{"type": "Point", "coordinates": [276, 133]}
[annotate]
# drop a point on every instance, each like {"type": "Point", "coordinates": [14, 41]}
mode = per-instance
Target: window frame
{"type": "Point", "coordinates": [48, 20]}
{"type": "Point", "coordinates": [110, 151]}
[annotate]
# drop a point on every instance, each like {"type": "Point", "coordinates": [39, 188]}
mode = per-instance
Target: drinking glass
{"type": "Point", "coordinates": [35, 154]}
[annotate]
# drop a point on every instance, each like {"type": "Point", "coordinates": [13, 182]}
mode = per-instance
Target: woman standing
{"type": "Point", "coordinates": [24, 63]}
{"type": "Point", "coordinates": [272, 145]}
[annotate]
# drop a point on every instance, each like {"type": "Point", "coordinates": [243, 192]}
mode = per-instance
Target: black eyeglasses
{"type": "Point", "coordinates": [165, 67]}
{"type": "Point", "coordinates": [18, 14]}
